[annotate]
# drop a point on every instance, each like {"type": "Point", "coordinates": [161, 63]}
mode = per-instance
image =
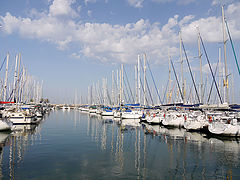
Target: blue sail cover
{"type": "Point", "coordinates": [132, 104]}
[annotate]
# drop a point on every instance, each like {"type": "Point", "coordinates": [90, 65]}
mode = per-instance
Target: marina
{"type": "Point", "coordinates": [93, 146]}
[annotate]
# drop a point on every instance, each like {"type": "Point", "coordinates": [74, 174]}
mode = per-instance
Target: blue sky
{"type": "Point", "coordinates": [70, 44]}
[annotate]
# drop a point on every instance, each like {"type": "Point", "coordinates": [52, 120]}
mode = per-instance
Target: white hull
{"type": "Point", "coordinates": [22, 120]}
{"type": "Point", "coordinates": [219, 128]}
{"type": "Point", "coordinates": [92, 110]}
{"type": "Point", "coordinates": [154, 120]}
{"type": "Point", "coordinates": [105, 113]}
{"type": "Point", "coordinates": [131, 115]}
{"type": "Point", "coordinates": [178, 122]}
{"type": "Point", "coordinates": [117, 114]}
{"type": "Point", "coordinates": [84, 109]}
{"type": "Point", "coordinates": [193, 125]}
{"type": "Point", "coordinates": [98, 111]}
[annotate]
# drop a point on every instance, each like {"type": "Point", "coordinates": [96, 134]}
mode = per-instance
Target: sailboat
{"type": "Point", "coordinates": [225, 126]}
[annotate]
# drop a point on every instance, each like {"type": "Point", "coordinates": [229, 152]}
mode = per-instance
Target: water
{"type": "Point", "coordinates": [75, 145]}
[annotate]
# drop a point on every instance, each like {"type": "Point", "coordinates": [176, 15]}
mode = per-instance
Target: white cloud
{"type": "Point", "coordinates": [136, 3]}
{"type": "Point", "coordinates": [186, 20]}
{"type": "Point", "coordinates": [119, 43]}
{"type": "Point", "coordinates": [76, 55]}
{"type": "Point", "coordinates": [211, 27]}
{"type": "Point", "coordinates": [62, 8]}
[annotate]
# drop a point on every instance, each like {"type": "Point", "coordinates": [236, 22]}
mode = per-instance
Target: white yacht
{"type": "Point", "coordinates": [195, 121]}
{"type": "Point", "coordinates": [133, 114]}
{"type": "Point", "coordinates": [20, 117]}
{"type": "Point", "coordinates": [226, 126]}
{"type": "Point", "coordinates": [174, 118]}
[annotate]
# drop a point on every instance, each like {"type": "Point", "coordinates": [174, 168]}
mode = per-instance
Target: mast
{"type": "Point", "coordinates": [26, 87]}
{"type": "Point", "coordinates": [225, 57]}
{"type": "Point", "coordinates": [177, 80]}
{"type": "Point", "coordinates": [136, 84]}
{"type": "Point", "coordinates": [122, 84]}
{"type": "Point", "coordinates": [219, 71]}
{"type": "Point", "coordinates": [18, 80]}
{"type": "Point", "coordinates": [181, 60]}
{"type": "Point", "coordinates": [190, 72]}
{"type": "Point", "coordinates": [144, 86]}
{"type": "Point", "coordinates": [117, 89]}
{"type": "Point", "coordinates": [113, 97]}
{"type": "Point", "coordinates": [15, 79]}
{"type": "Point", "coordinates": [169, 77]}
{"type": "Point", "coordinates": [210, 67]}
{"type": "Point", "coordinates": [200, 61]}
{"type": "Point", "coordinates": [5, 83]}
{"type": "Point", "coordinates": [120, 87]}
{"type": "Point", "coordinates": [139, 81]}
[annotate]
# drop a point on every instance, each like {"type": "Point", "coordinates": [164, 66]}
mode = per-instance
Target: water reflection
{"type": "Point", "coordinates": [4, 140]}
{"type": "Point", "coordinates": [116, 149]}
{"type": "Point", "coordinates": [21, 138]}
{"type": "Point", "coordinates": [184, 155]}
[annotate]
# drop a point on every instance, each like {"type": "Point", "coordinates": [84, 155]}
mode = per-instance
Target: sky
{"type": "Point", "coordinates": [71, 44]}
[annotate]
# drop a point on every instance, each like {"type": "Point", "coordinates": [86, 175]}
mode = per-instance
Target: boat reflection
{"type": "Point", "coordinates": [21, 138]}
{"type": "Point", "coordinates": [149, 150]}
{"type": "Point", "coordinates": [130, 122]}
{"type": "Point", "coordinates": [23, 129]}
{"type": "Point", "coordinates": [4, 141]}
{"type": "Point", "coordinates": [4, 137]}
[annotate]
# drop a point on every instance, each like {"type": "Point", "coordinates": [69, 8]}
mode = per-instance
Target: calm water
{"type": "Point", "coordinates": [75, 145]}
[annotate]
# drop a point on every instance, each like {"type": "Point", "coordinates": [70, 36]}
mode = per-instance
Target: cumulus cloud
{"type": "Point", "coordinates": [118, 43]}
{"type": "Point", "coordinates": [62, 8]}
{"type": "Point", "coordinates": [211, 27]}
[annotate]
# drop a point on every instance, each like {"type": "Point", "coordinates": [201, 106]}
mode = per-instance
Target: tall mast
{"type": "Point", "coordinates": [5, 83]}
{"type": "Point", "coordinates": [190, 72]}
{"type": "Point", "coordinates": [113, 97]}
{"type": "Point", "coordinates": [18, 78]}
{"type": "Point", "coordinates": [136, 84]}
{"type": "Point", "coordinates": [169, 77]}
{"type": "Point", "coordinates": [139, 81]}
{"type": "Point", "coordinates": [200, 62]}
{"type": "Point", "coordinates": [117, 90]}
{"type": "Point", "coordinates": [15, 79]}
{"type": "Point", "coordinates": [22, 86]}
{"type": "Point", "coordinates": [26, 86]}
{"type": "Point", "coordinates": [225, 57]}
{"type": "Point", "coordinates": [144, 87]}
{"type": "Point", "coordinates": [122, 85]}
{"type": "Point", "coordinates": [219, 71]}
{"type": "Point", "coordinates": [181, 60]}
{"type": "Point", "coordinates": [106, 92]}
{"type": "Point", "coordinates": [88, 95]}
